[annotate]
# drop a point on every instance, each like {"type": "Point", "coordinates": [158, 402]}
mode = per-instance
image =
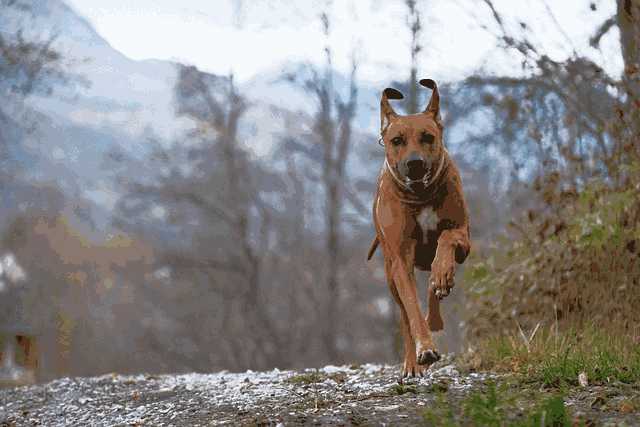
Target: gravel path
{"type": "Point", "coordinates": [362, 395]}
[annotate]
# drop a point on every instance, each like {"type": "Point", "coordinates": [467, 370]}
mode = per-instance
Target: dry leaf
{"type": "Point", "coordinates": [626, 407]}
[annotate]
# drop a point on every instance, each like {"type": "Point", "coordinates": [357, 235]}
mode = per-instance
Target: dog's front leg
{"type": "Point", "coordinates": [443, 266]}
{"type": "Point", "coordinates": [453, 242]}
{"type": "Point", "coordinates": [410, 366]}
{"type": "Point", "coordinates": [396, 229]}
{"type": "Point", "coordinates": [451, 248]}
{"type": "Point", "coordinates": [401, 270]}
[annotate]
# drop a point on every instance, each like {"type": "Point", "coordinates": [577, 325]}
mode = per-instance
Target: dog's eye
{"type": "Point", "coordinates": [427, 138]}
{"type": "Point", "coordinates": [397, 140]}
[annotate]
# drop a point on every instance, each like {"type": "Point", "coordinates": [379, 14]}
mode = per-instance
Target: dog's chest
{"type": "Point", "coordinates": [427, 220]}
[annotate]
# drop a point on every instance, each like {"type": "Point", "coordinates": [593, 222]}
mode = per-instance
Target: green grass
{"type": "Point", "coordinates": [556, 360]}
{"type": "Point", "coordinates": [437, 387]}
{"type": "Point", "coordinates": [550, 412]}
{"type": "Point", "coordinates": [401, 389]}
{"type": "Point", "coordinates": [541, 368]}
{"type": "Point", "coordinates": [307, 378]}
{"type": "Point", "coordinates": [315, 377]}
{"type": "Point", "coordinates": [485, 408]}
{"type": "Point", "coordinates": [497, 406]}
{"type": "Point", "coordinates": [441, 414]}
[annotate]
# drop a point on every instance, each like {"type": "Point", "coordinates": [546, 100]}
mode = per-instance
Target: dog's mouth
{"type": "Point", "coordinates": [418, 181]}
{"type": "Point", "coordinates": [415, 179]}
{"type": "Point", "coordinates": [425, 178]}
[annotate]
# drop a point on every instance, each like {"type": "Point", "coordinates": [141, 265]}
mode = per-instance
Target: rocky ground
{"type": "Point", "coordinates": [346, 395]}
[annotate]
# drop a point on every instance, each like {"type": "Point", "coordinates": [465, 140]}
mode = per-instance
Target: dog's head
{"type": "Point", "coordinates": [413, 143]}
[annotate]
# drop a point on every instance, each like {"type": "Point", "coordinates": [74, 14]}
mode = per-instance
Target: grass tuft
{"type": "Point", "coordinates": [497, 406]}
{"type": "Point", "coordinates": [401, 389]}
{"type": "Point", "coordinates": [316, 377]}
{"type": "Point", "coordinates": [485, 408]}
{"type": "Point", "coordinates": [557, 360]}
{"type": "Point", "coordinates": [306, 378]}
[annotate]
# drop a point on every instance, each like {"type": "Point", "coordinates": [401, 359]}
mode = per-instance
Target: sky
{"type": "Point", "coordinates": [249, 37]}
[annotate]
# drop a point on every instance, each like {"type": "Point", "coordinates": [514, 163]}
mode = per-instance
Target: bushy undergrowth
{"type": "Point", "coordinates": [572, 263]}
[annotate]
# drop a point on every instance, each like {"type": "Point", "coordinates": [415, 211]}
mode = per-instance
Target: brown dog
{"type": "Point", "coordinates": [421, 220]}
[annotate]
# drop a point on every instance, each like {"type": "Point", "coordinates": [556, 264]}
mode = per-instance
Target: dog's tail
{"type": "Point", "coordinates": [373, 247]}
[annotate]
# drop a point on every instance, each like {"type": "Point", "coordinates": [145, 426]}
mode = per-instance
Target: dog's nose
{"type": "Point", "coordinates": [416, 166]}
{"type": "Point", "coordinates": [416, 163]}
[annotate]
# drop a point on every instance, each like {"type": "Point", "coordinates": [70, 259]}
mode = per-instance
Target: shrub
{"type": "Point", "coordinates": [575, 262]}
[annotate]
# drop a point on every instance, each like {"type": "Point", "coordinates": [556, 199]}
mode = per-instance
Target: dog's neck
{"type": "Point", "coordinates": [422, 195]}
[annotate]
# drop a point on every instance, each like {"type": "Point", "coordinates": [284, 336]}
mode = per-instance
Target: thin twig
{"type": "Point", "coordinates": [523, 336]}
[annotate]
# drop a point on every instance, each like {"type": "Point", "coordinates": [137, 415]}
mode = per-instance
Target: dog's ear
{"type": "Point", "coordinates": [386, 111]}
{"type": "Point", "coordinates": [434, 104]}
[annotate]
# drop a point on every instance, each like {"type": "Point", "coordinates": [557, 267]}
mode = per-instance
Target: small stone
{"type": "Point", "coordinates": [449, 371]}
{"type": "Point", "coordinates": [387, 408]}
{"type": "Point", "coordinates": [597, 402]}
{"type": "Point", "coordinates": [582, 379]}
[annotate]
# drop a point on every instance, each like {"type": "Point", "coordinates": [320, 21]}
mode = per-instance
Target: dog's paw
{"type": "Point", "coordinates": [427, 357]}
{"type": "Point", "coordinates": [441, 279]}
{"type": "Point", "coordinates": [412, 369]}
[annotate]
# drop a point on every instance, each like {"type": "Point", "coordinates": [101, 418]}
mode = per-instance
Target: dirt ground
{"type": "Point", "coordinates": [346, 395]}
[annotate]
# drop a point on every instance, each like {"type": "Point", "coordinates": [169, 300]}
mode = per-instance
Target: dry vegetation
{"type": "Point", "coordinates": [558, 296]}
{"type": "Point", "coordinates": [577, 266]}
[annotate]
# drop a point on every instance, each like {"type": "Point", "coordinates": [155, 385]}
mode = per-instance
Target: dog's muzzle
{"type": "Point", "coordinates": [421, 175]}
{"type": "Point", "coordinates": [414, 168]}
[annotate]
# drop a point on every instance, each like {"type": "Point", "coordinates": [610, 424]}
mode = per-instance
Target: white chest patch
{"type": "Point", "coordinates": [428, 220]}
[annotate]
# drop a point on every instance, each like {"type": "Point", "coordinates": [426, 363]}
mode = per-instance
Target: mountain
{"type": "Point", "coordinates": [132, 96]}
{"type": "Point", "coordinates": [113, 101]}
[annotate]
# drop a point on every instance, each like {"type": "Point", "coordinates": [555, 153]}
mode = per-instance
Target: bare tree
{"type": "Point", "coordinates": [566, 116]}
{"type": "Point", "coordinates": [415, 26]}
{"type": "Point", "coordinates": [333, 128]}
{"type": "Point", "coordinates": [27, 66]}
{"type": "Point", "coordinates": [214, 196]}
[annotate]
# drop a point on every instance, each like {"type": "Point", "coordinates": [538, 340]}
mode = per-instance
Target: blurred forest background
{"type": "Point", "coordinates": [156, 217]}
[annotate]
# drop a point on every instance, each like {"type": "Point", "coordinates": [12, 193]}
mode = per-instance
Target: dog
{"type": "Point", "coordinates": [421, 220]}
